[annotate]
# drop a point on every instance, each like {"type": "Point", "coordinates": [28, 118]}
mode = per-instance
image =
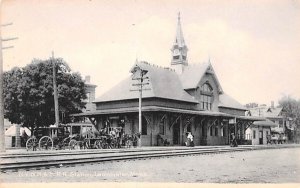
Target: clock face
{"type": "Point", "coordinates": [176, 51]}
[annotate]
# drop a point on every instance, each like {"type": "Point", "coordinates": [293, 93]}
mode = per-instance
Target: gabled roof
{"type": "Point", "coordinates": [228, 102]}
{"type": "Point", "coordinates": [163, 83]}
{"type": "Point", "coordinates": [193, 74]}
{"type": "Point", "coordinates": [264, 111]}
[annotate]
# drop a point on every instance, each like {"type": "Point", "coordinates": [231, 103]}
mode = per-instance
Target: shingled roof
{"type": "Point", "coordinates": [264, 111]}
{"type": "Point", "coordinates": [228, 102]}
{"type": "Point", "coordinates": [163, 83]}
{"type": "Point", "coordinates": [192, 75]}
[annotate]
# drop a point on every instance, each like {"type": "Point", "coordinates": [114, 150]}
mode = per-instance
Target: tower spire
{"type": "Point", "coordinates": [179, 49]}
{"type": "Point", "coordinates": [179, 36]}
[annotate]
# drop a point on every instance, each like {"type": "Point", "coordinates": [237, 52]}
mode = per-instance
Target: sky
{"type": "Point", "coordinates": [253, 45]}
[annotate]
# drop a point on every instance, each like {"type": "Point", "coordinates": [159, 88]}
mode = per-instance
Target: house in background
{"type": "Point", "coordinates": [276, 115]}
{"type": "Point", "coordinates": [90, 93]}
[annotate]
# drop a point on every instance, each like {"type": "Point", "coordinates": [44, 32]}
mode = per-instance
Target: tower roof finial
{"type": "Point", "coordinates": [179, 36]}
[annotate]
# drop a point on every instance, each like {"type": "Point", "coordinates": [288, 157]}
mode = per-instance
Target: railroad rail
{"type": "Point", "coordinates": [28, 161]}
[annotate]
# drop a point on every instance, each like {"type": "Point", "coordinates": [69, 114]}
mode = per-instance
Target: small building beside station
{"type": "Point", "coordinates": [176, 100]}
{"type": "Point", "coordinates": [259, 132]}
{"type": "Point", "coordinates": [281, 124]}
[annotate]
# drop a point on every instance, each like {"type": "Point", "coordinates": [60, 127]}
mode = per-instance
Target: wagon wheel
{"type": "Point", "coordinates": [65, 143]}
{"type": "Point", "coordinates": [73, 144]}
{"type": "Point", "coordinates": [31, 144]}
{"type": "Point", "coordinates": [97, 144]}
{"type": "Point", "coordinates": [104, 144]}
{"type": "Point", "coordinates": [46, 143]}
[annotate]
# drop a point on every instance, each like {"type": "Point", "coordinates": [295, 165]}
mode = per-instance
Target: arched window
{"type": "Point", "coordinates": [206, 96]}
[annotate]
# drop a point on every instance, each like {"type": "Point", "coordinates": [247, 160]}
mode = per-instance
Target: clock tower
{"type": "Point", "coordinates": [179, 50]}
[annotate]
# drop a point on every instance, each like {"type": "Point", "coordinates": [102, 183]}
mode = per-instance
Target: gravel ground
{"type": "Point", "coordinates": [262, 166]}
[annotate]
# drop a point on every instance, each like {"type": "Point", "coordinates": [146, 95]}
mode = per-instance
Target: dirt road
{"type": "Point", "coordinates": [262, 166]}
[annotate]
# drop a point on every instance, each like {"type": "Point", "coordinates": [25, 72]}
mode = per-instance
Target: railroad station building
{"type": "Point", "coordinates": [176, 100]}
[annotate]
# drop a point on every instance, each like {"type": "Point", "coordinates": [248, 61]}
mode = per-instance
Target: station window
{"type": "Point", "coordinates": [216, 131]}
{"type": "Point", "coordinates": [211, 130]}
{"type": "Point", "coordinates": [162, 127]}
{"type": "Point", "coordinates": [204, 133]}
{"type": "Point", "coordinates": [189, 128]}
{"type": "Point", "coordinates": [206, 96]}
{"type": "Point", "coordinates": [254, 134]}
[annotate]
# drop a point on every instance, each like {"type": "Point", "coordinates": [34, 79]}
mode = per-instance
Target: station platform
{"type": "Point", "coordinates": [143, 148]}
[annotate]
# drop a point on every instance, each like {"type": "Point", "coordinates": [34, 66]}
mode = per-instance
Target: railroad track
{"type": "Point", "coordinates": [88, 152]}
{"type": "Point", "coordinates": [47, 160]}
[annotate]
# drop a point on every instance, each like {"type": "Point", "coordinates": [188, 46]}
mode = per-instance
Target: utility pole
{"type": "Point", "coordinates": [2, 129]}
{"type": "Point", "coordinates": [140, 77]}
{"type": "Point", "coordinates": [55, 90]}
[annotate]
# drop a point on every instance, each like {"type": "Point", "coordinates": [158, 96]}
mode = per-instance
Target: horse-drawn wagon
{"type": "Point", "coordinates": [61, 137]}
{"type": "Point", "coordinates": [79, 136]}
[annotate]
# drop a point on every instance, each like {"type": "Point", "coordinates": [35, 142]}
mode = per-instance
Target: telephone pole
{"type": "Point", "coordinates": [140, 73]}
{"type": "Point", "coordinates": [2, 129]}
{"type": "Point", "coordinates": [55, 91]}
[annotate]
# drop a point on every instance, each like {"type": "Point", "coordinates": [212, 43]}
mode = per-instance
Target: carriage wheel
{"type": "Point", "coordinates": [73, 144]}
{"type": "Point", "coordinates": [97, 144]}
{"type": "Point", "coordinates": [46, 143]}
{"type": "Point", "coordinates": [31, 144]}
{"type": "Point", "coordinates": [103, 144]}
{"type": "Point", "coordinates": [65, 143]}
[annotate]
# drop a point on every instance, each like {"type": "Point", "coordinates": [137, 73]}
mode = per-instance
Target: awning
{"type": "Point", "coordinates": [11, 131]}
{"type": "Point", "coordinates": [154, 108]}
{"type": "Point", "coordinates": [265, 123]}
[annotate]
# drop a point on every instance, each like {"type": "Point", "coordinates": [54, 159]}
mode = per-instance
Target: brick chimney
{"type": "Point", "coordinates": [272, 104]}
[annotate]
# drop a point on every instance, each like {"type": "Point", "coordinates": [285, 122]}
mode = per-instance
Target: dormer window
{"type": "Point", "coordinates": [206, 96]}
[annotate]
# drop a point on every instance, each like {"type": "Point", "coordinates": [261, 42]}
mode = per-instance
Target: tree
{"type": "Point", "coordinates": [28, 93]}
{"type": "Point", "coordinates": [291, 108]}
